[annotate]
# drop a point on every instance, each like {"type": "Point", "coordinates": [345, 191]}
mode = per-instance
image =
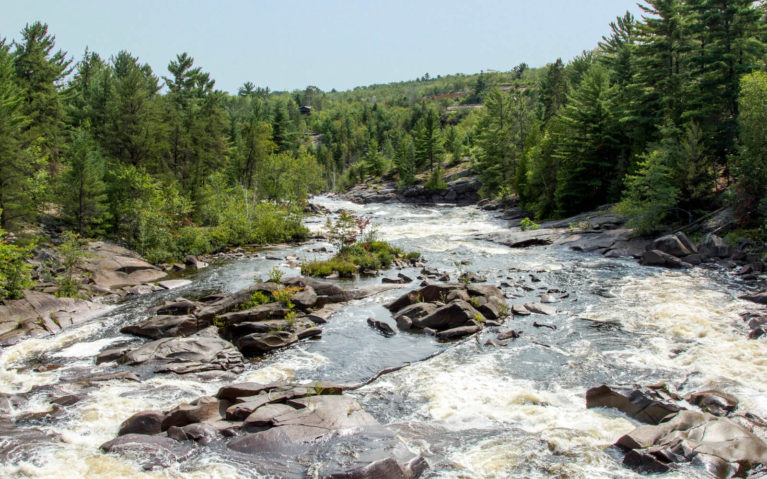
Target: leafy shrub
{"type": "Point", "coordinates": [14, 270]}
{"type": "Point", "coordinates": [344, 268]}
{"type": "Point", "coordinates": [256, 299]}
{"type": "Point", "coordinates": [528, 224]}
{"type": "Point", "coordinates": [283, 295]}
{"type": "Point", "coordinates": [275, 275]}
{"type": "Point", "coordinates": [436, 182]}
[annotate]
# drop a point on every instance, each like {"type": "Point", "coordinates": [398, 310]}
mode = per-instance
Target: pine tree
{"type": "Point", "coordinates": [15, 169]}
{"type": "Point", "coordinates": [501, 135]}
{"type": "Point", "coordinates": [40, 73]}
{"type": "Point", "coordinates": [428, 140]}
{"type": "Point", "coordinates": [82, 188]}
{"type": "Point", "coordinates": [587, 149]}
{"type": "Point", "coordinates": [404, 161]}
{"type": "Point", "coordinates": [553, 89]}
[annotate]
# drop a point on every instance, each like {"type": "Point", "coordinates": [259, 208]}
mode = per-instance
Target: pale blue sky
{"type": "Point", "coordinates": [290, 44]}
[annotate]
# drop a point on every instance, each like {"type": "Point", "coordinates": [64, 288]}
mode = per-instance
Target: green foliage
{"type": "Point", "coordinates": [344, 268]}
{"type": "Point", "coordinates": [343, 231]}
{"type": "Point", "coordinates": [71, 253]}
{"type": "Point", "coordinates": [256, 299]}
{"type": "Point", "coordinates": [428, 140]}
{"type": "Point", "coordinates": [436, 181]}
{"type": "Point", "coordinates": [275, 275]}
{"type": "Point", "coordinates": [14, 270]}
{"type": "Point", "coordinates": [528, 224]}
{"type": "Point", "coordinates": [750, 164]}
{"type": "Point", "coordinates": [650, 194]}
{"type": "Point", "coordinates": [283, 295]}
{"type": "Point", "coordinates": [82, 188]}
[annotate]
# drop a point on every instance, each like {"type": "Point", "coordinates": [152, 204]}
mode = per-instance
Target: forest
{"type": "Point", "coordinates": [666, 116]}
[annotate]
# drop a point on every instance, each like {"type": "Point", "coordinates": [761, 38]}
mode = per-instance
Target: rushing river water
{"type": "Point", "coordinates": [473, 411]}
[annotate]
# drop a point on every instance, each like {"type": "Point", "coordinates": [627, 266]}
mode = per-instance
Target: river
{"type": "Point", "coordinates": [473, 411]}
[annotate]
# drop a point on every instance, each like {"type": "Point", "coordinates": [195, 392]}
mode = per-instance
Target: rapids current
{"type": "Point", "coordinates": [473, 411]}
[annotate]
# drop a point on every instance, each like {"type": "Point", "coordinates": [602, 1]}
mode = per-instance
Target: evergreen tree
{"type": "Point", "coordinates": [256, 145]}
{"type": "Point", "coordinates": [501, 135]}
{"type": "Point", "coordinates": [428, 141]}
{"type": "Point", "coordinates": [587, 149]}
{"type": "Point", "coordinates": [82, 188]}
{"type": "Point", "coordinates": [40, 72]}
{"type": "Point", "coordinates": [15, 169]}
{"type": "Point", "coordinates": [553, 89]}
{"type": "Point", "coordinates": [750, 164]}
{"type": "Point", "coordinates": [404, 161]}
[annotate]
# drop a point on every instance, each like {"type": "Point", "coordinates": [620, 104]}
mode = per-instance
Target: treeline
{"type": "Point", "coordinates": [665, 116]}
{"type": "Point", "coordinates": [167, 165]}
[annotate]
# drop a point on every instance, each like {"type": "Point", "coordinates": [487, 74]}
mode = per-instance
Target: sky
{"type": "Point", "coordinates": [290, 44]}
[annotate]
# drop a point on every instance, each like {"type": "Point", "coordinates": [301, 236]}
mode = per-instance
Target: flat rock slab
{"type": "Point", "coordinates": [174, 283]}
{"type": "Point", "coordinates": [540, 309]}
{"type": "Point", "coordinates": [203, 351]}
{"type": "Point", "coordinates": [149, 451]}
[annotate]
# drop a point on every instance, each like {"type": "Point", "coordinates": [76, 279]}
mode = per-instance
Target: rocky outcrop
{"type": "Point", "coordinates": [449, 310]}
{"type": "Point", "coordinates": [202, 351]}
{"type": "Point", "coordinates": [38, 314]}
{"type": "Point", "coordinates": [721, 445]}
{"type": "Point", "coordinates": [112, 267]}
{"type": "Point", "coordinates": [262, 424]}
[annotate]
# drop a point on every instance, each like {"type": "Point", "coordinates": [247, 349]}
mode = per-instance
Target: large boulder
{"type": "Point", "coordinates": [641, 405]}
{"type": "Point", "coordinates": [453, 315]}
{"type": "Point", "coordinates": [143, 422]}
{"type": "Point", "coordinates": [714, 247]}
{"type": "Point", "coordinates": [760, 298]}
{"type": "Point", "coordinates": [659, 258]}
{"type": "Point", "coordinates": [254, 344]}
{"type": "Point", "coordinates": [676, 245]}
{"type": "Point", "coordinates": [721, 446]}
{"type": "Point", "coordinates": [203, 351]}
{"type": "Point", "coordinates": [112, 267]}
{"type": "Point", "coordinates": [149, 451]}
{"type": "Point", "coordinates": [199, 410]}
{"type": "Point", "coordinates": [166, 327]}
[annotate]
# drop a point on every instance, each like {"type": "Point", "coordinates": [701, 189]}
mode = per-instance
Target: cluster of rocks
{"type": "Point", "coordinates": [450, 310]}
{"type": "Point", "coordinates": [216, 332]}
{"type": "Point", "coordinates": [677, 251]}
{"type": "Point", "coordinates": [714, 437]}
{"type": "Point", "coordinates": [280, 430]}
{"type": "Point", "coordinates": [462, 191]}
{"type": "Point", "coordinates": [756, 321]}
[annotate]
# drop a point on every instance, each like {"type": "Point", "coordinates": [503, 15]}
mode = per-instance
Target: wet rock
{"type": "Point", "coordinates": [264, 415]}
{"type": "Point", "coordinates": [181, 307]}
{"type": "Point", "coordinates": [193, 262]}
{"type": "Point", "coordinates": [203, 351]}
{"type": "Point", "coordinates": [458, 332]}
{"type": "Point", "coordinates": [659, 258]}
{"type": "Point", "coordinates": [143, 422]}
{"type": "Point", "coordinates": [720, 445]}
{"type": "Point", "coordinates": [111, 354]}
{"type": "Point", "coordinates": [232, 301]}
{"type": "Point", "coordinates": [713, 247]}
{"type": "Point", "coordinates": [715, 402]}
{"type": "Point", "coordinates": [258, 313]}
{"type": "Point", "coordinates": [415, 311]}
{"type": "Point", "coordinates": [508, 334]}
{"type": "Point", "coordinates": [456, 314]}
{"type": "Point", "coordinates": [396, 280]}
{"type": "Point", "coordinates": [492, 307]}
{"type": "Point", "coordinates": [544, 325]}
{"type": "Point", "coordinates": [759, 298]}
{"type": "Point", "coordinates": [112, 267]}
{"type": "Point", "coordinates": [471, 277]}
{"type": "Point", "coordinates": [520, 310]}
{"type": "Point", "coordinates": [676, 245]}
{"type": "Point", "coordinates": [548, 298]}
{"type": "Point", "coordinates": [174, 283]}
{"type": "Point", "coordinates": [644, 462]}
{"type": "Point", "coordinates": [199, 410]}
{"type": "Point", "coordinates": [241, 390]}
{"type": "Point", "coordinates": [381, 326]}
{"type": "Point", "coordinates": [496, 343]}
{"type": "Point", "coordinates": [640, 405]}
{"type": "Point", "coordinates": [305, 299]}
{"type": "Point", "coordinates": [541, 309]}
{"type": "Point", "coordinates": [254, 344]}
{"type": "Point", "coordinates": [68, 400]}
{"type": "Point", "coordinates": [149, 451]}
{"type": "Point", "coordinates": [309, 333]}
{"type": "Point", "coordinates": [166, 327]}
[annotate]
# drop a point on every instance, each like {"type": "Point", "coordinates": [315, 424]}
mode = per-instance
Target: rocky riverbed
{"type": "Point", "coordinates": [481, 362]}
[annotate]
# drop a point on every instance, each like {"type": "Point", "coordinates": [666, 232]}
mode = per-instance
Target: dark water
{"type": "Point", "coordinates": [473, 411]}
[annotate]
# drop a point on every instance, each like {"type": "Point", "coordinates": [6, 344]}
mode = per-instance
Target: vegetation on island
{"type": "Point", "coordinates": [358, 249]}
